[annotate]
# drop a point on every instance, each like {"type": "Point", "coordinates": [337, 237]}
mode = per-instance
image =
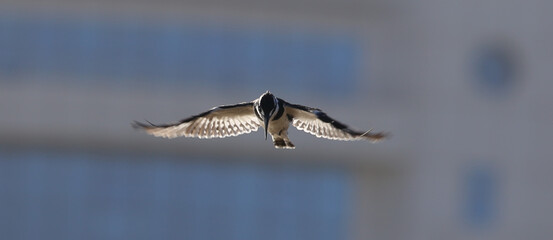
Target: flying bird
{"type": "Point", "coordinates": [269, 112]}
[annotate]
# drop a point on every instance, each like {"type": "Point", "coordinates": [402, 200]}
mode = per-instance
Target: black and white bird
{"type": "Point", "coordinates": [269, 112]}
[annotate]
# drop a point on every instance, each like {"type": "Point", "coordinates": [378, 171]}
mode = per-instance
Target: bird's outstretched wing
{"type": "Point", "coordinates": [219, 122]}
{"type": "Point", "coordinates": [316, 122]}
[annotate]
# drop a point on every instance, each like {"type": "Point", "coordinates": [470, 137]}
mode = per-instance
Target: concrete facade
{"type": "Point", "coordinates": [418, 78]}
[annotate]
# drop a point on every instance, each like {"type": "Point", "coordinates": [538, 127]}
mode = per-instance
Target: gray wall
{"type": "Point", "coordinates": [462, 86]}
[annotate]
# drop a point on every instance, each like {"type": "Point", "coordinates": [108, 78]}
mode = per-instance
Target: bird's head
{"type": "Point", "coordinates": [267, 106]}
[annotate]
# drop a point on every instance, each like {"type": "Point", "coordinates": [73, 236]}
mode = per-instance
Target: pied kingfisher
{"type": "Point", "coordinates": [268, 111]}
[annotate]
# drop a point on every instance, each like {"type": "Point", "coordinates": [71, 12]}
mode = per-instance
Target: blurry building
{"type": "Point", "coordinates": [462, 86]}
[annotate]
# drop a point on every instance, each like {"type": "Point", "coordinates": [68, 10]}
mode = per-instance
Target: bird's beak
{"type": "Point", "coordinates": [266, 121]}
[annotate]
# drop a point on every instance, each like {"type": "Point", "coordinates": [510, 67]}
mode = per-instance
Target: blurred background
{"type": "Point", "coordinates": [463, 86]}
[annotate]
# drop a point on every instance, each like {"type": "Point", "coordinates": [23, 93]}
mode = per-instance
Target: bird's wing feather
{"type": "Point", "coordinates": [219, 122]}
{"type": "Point", "coordinates": [316, 122]}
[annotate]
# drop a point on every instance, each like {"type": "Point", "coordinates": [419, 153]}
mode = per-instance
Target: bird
{"type": "Point", "coordinates": [273, 114]}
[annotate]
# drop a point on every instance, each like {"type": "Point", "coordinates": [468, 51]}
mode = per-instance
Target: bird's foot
{"type": "Point", "coordinates": [283, 144]}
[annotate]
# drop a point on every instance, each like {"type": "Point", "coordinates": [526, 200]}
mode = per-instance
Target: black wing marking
{"type": "Point", "coordinates": [219, 122]}
{"type": "Point", "coordinates": [318, 123]}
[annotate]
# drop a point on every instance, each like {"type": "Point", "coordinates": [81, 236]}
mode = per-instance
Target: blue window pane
{"type": "Point", "coordinates": [480, 196]}
{"type": "Point", "coordinates": [47, 195]}
{"type": "Point", "coordinates": [495, 68]}
{"type": "Point", "coordinates": [176, 53]}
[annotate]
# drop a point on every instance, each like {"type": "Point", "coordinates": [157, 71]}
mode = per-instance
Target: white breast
{"type": "Point", "coordinates": [276, 126]}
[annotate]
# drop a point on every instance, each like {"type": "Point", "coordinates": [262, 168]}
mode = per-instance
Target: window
{"type": "Point", "coordinates": [495, 68]}
{"type": "Point", "coordinates": [177, 53]}
{"type": "Point", "coordinates": [480, 196]}
{"type": "Point", "coordinates": [46, 195]}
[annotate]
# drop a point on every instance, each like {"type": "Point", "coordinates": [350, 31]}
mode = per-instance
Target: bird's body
{"type": "Point", "coordinates": [273, 114]}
